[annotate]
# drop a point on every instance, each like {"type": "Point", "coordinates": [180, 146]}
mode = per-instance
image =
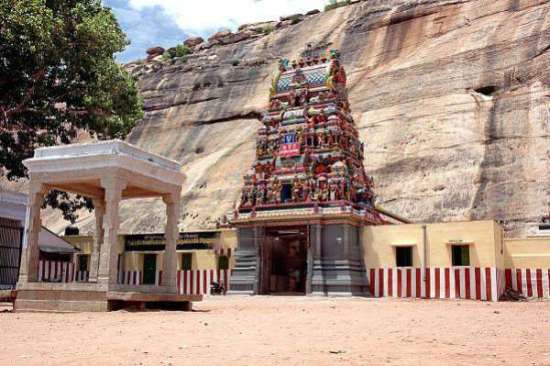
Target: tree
{"type": "Point", "coordinates": [58, 76]}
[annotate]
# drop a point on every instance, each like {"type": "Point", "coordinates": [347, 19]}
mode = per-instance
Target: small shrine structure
{"type": "Point", "coordinates": [107, 172]}
{"type": "Point", "coordinates": [307, 196]}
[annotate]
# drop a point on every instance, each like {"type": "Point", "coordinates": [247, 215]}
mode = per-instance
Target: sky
{"type": "Point", "coordinates": [166, 23]}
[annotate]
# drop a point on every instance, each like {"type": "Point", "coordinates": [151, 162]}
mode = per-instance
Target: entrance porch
{"type": "Point", "coordinates": [284, 261]}
{"type": "Point", "coordinates": [322, 255]}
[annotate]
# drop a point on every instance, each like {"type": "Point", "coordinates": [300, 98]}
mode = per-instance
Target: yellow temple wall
{"type": "Point", "coordinates": [133, 261]}
{"type": "Point", "coordinates": [202, 259]}
{"type": "Point", "coordinates": [380, 241]}
{"type": "Point", "coordinates": [82, 242]}
{"type": "Point", "coordinates": [527, 253]}
{"type": "Point", "coordinates": [484, 237]}
{"type": "Point", "coordinates": [228, 238]}
{"type": "Point", "coordinates": [86, 242]}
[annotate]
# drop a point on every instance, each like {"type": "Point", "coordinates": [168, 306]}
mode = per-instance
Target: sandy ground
{"type": "Point", "coordinates": [286, 331]}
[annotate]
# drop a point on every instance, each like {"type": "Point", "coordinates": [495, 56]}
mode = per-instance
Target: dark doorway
{"type": "Point", "coordinates": [284, 260]}
{"type": "Point", "coordinates": [149, 269]}
{"type": "Point", "coordinates": [187, 261]}
{"type": "Point", "coordinates": [83, 260]}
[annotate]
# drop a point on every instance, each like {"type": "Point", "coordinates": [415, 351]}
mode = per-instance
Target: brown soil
{"type": "Point", "coordinates": [286, 331]}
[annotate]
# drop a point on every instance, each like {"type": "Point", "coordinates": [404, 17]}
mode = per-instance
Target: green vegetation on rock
{"type": "Point", "coordinates": [333, 4]}
{"type": "Point", "coordinates": [180, 50]}
{"type": "Point", "coordinates": [268, 29]}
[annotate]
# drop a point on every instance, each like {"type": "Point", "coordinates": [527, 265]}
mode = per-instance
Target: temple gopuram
{"type": "Point", "coordinates": [307, 196]}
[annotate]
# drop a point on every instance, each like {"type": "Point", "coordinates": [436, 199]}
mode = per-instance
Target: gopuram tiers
{"type": "Point", "coordinates": [309, 158]}
{"type": "Point", "coordinates": [304, 202]}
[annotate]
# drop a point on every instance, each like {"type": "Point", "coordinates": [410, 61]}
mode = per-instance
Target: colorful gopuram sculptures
{"type": "Point", "coordinates": [308, 151]}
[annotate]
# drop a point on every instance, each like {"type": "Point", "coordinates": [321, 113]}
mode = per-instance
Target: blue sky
{"type": "Point", "coordinates": [166, 23]}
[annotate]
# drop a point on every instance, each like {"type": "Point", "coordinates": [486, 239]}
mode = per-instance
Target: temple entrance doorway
{"type": "Point", "coordinates": [284, 261]}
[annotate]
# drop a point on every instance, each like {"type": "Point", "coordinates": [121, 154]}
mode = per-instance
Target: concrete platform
{"type": "Point", "coordinates": [7, 295]}
{"type": "Point", "coordinates": [48, 300]}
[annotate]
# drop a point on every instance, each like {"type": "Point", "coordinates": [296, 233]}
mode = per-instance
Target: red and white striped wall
{"type": "Point", "coordinates": [197, 282]}
{"type": "Point", "coordinates": [81, 276]}
{"type": "Point", "coordinates": [530, 282]}
{"type": "Point", "coordinates": [437, 282]}
{"type": "Point", "coordinates": [130, 277]}
{"type": "Point", "coordinates": [60, 271]}
{"type": "Point", "coordinates": [190, 282]}
{"type": "Point", "coordinates": [55, 271]}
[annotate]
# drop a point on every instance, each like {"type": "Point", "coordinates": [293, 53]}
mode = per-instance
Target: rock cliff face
{"type": "Point", "coordinates": [451, 98]}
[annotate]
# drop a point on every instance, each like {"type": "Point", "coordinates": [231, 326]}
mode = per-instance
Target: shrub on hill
{"type": "Point", "coordinates": [333, 4]}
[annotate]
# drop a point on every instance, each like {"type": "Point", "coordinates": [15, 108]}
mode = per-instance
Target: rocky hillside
{"type": "Point", "coordinates": [450, 96]}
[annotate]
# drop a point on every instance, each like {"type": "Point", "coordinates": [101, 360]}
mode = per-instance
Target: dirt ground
{"type": "Point", "coordinates": [236, 330]}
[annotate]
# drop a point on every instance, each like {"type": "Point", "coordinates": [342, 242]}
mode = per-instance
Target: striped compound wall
{"type": "Point", "coordinates": [530, 282]}
{"type": "Point", "coordinates": [437, 283]}
{"type": "Point", "coordinates": [198, 281]}
{"type": "Point", "coordinates": [130, 277]}
{"type": "Point", "coordinates": [440, 283]}
{"type": "Point", "coordinates": [189, 282]}
{"type": "Point", "coordinates": [58, 271]}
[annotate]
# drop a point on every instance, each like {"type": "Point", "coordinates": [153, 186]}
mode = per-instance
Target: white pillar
{"type": "Point", "coordinates": [99, 213]}
{"type": "Point", "coordinates": [172, 202]}
{"type": "Point", "coordinates": [108, 255]}
{"type": "Point", "coordinates": [31, 252]}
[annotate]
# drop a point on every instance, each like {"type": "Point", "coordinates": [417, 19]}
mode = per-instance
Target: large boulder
{"type": "Point", "coordinates": [291, 17]}
{"type": "Point", "coordinates": [155, 51]}
{"type": "Point", "coordinates": [260, 27]}
{"type": "Point", "coordinates": [193, 41]}
{"type": "Point", "coordinates": [235, 37]}
{"type": "Point", "coordinates": [218, 35]}
{"type": "Point", "coordinates": [313, 12]}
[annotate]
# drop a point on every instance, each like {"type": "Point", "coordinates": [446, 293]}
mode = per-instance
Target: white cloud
{"type": "Point", "coordinates": [198, 16]}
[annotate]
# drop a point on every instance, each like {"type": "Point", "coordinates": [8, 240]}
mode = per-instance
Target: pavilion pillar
{"type": "Point", "coordinates": [108, 256]}
{"type": "Point", "coordinates": [31, 251]}
{"type": "Point", "coordinates": [169, 271]}
{"type": "Point", "coordinates": [99, 212]}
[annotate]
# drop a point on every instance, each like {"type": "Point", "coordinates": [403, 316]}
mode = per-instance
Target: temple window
{"type": "Point", "coordinates": [403, 256]}
{"type": "Point", "coordinates": [460, 255]}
